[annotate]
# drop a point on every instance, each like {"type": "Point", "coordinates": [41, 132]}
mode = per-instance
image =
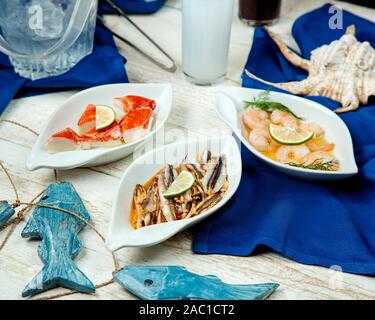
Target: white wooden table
{"type": "Point", "coordinates": [19, 261]}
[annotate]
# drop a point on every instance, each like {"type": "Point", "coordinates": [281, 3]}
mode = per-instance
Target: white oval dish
{"type": "Point", "coordinates": [229, 104]}
{"type": "Point", "coordinates": [69, 113]}
{"type": "Point", "coordinates": [121, 234]}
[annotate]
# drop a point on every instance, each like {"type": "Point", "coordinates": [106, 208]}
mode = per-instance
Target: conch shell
{"type": "Point", "coordinates": [343, 70]}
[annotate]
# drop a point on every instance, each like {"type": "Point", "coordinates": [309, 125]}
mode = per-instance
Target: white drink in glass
{"type": "Point", "coordinates": [206, 26]}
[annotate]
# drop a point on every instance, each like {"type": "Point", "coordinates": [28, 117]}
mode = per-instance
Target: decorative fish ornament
{"type": "Point", "coordinates": [175, 282]}
{"type": "Point", "coordinates": [60, 243]}
{"type": "Point", "coordinates": [6, 212]}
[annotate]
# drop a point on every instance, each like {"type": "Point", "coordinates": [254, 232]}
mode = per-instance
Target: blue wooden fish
{"type": "Point", "coordinates": [6, 212]}
{"type": "Point", "coordinates": [60, 242]}
{"type": "Point", "coordinates": [174, 282]}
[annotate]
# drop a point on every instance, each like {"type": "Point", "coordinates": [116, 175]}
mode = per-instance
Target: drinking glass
{"type": "Point", "coordinates": [46, 37]}
{"type": "Point", "coordinates": [206, 27]}
{"type": "Point", "coordinates": [259, 12]}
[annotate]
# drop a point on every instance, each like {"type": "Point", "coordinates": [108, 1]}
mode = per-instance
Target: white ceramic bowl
{"type": "Point", "coordinates": [121, 234]}
{"type": "Point", "coordinates": [69, 113]}
{"type": "Point", "coordinates": [229, 105]}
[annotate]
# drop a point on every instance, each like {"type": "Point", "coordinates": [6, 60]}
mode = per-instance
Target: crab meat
{"type": "Point", "coordinates": [131, 103]}
{"type": "Point", "coordinates": [109, 137]}
{"type": "Point", "coordinates": [138, 133]}
{"type": "Point", "coordinates": [136, 118]}
{"type": "Point", "coordinates": [87, 122]}
{"type": "Point", "coordinates": [66, 140]}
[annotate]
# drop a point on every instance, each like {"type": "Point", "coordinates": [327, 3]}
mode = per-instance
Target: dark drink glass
{"type": "Point", "coordinates": [259, 12]}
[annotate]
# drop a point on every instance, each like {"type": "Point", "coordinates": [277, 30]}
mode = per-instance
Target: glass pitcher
{"type": "Point", "coordinates": [46, 38]}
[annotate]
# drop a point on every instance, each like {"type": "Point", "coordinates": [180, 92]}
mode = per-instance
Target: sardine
{"type": "Point", "coordinates": [205, 204]}
{"type": "Point", "coordinates": [205, 157]}
{"type": "Point", "coordinates": [166, 206]}
{"type": "Point", "coordinates": [195, 170]}
{"type": "Point", "coordinates": [216, 176]}
{"type": "Point", "coordinates": [139, 196]}
{"type": "Point", "coordinates": [219, 179]}
{"type": "Point", "coordinates": [210, 173]}
{"type": "Point", "coordinates": [170, 174]}
{"type": "Point", "coordinates": [60, 243]}
{"type": "Point", "coordinates": [187, 196]}
{"type": "Point", "coordinates": [193, 167]}
{"type": "Point", "coordinates": [200, 189]}
{"type": "Point", "coordinates": [175, 282]}
{"type": "Point", "coordinates": [151, 203]}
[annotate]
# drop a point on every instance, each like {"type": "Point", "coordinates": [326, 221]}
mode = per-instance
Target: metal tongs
{"type": "Point", "coordinates": [121, 13]}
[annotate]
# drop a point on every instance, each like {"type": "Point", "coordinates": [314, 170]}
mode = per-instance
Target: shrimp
{"type": "Point", "coordinates": [292, 154]}
{"type": "Point", "coordinates": [314, 146]}
{"type": "Point", "coordinates": [319, 157]}
{"type": "Point", "coordinates": [313, 127]}
{"type": "Point", "coordinates": [262, 141]}
{"type": "Point", "coordinates": [256, 118]}
{"type": "Point", "coordinates": [284, 118]}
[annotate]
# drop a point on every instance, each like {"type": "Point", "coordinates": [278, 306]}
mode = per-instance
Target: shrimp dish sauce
{"type": "Point", "coordinates": [312, 152]}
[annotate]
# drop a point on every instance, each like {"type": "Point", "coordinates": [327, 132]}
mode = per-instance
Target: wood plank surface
{"type": "Point", "coordinates": [19, 261]}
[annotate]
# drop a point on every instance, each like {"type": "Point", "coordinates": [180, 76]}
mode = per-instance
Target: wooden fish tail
{"type": "Point", "coordinates": [250, 291]}
{"type": "Point", "coordinates": [57, 272]}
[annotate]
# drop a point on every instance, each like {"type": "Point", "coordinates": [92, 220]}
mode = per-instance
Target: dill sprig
{"type": "Point", "coordinates": [263, 102]}
{"type": "Point", "coordinates": [331, 165]}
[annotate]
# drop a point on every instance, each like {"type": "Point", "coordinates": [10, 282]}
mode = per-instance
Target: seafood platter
{"type": "Point", "coordinates": [296, 136]}
{"type": "Point", "coordinates": [128, 120]}
{"type": "Point", "coordinates": [157, 200]}
{"type": "Point", "coordinates": [101, 125]}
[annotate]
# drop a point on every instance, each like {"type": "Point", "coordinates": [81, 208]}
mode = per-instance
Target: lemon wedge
{"type": "Point", "coordinates": [183, 183]}
{"type": "Point", "coordinates": [105, 116]}
{"type": "Point", "coordinates": [289, 136]}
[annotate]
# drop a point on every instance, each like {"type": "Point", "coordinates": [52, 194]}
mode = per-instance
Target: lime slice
{"type": "Point", "coordinates": [183, 182]}
{"type": "Point", "coordinates": [289, 136]}
{"type": "Point", "coordinates": [105, 116]}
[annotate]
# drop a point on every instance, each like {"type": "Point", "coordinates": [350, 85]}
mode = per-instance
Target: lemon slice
{"type": "Point", "coordinates": [183, 182]}
{"type": "Point", "coordinates": [289, 136]}
{"type": "Point", "coordinates": [105, 116]}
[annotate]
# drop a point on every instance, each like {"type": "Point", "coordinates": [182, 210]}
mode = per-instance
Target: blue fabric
{"type": "Point", "coordinates": [320, 223]}
{"type": "Point", "coordinates": [134, 6]}
{"type": "Point", "coordinates": [104, 65]}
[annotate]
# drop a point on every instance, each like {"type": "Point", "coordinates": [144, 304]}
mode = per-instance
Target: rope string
{"type": "Point", "coordinates": [70, 292]}
{"type": "Point", "coordinates": [28, 205]}
{"type": "Point", "coordinates": [15, 221]}
{"type": "Point", "coordinates": [16, 204]}
{"type": "Point", "coordinates": [56, 175]}
{"type": "Point", "coordinates": [20, 125]}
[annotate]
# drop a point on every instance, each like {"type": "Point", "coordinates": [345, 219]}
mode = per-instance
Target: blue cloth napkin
{"type": "Point", "coordinates": [134, 6]}
{"type": "Point", "coordinates": [104, 65]}
{"type": "Point", "coordinates": [321, 223]}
